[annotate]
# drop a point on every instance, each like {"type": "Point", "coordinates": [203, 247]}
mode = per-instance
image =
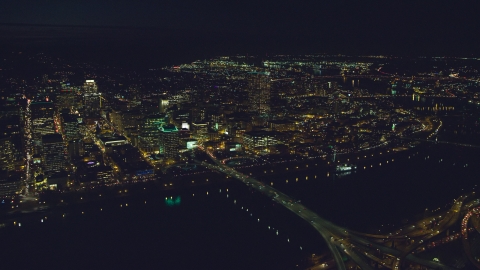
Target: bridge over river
{"type": "Point", "coordinates": [361, 248]}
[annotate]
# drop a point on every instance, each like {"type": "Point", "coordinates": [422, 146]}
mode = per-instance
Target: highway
{"type": "Point", "coordinates": [420, 227]}
{"type": "Point", "coordinates": [449, 219]}
{"type": "Point", "coordinates": [287, 202]}
{"type": "Point", "coordinates": [442, 142]}
{"type": "Point", "coordinates": [339, 240]}
{"type": "Point", "coordinates": [473, 216]}
{"type": "Point", "coordinates": [382, 76]}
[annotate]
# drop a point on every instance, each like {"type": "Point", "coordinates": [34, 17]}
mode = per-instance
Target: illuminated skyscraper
{"type": "Point", "coordinates": [259, 84]}
{"type": "Point", "coordinates": [169, 141]}
{"type": "Point", "coordinates": [70, 128]}
{"type": "Point", "coordinates": [66, 99]}
{"type": "Point", "coordinates": [42, 110]}
{"type": "Point", "coordinates": [91, 97]}
{"type": "Point", "coordinates": [90, 86]}
{"type": "Point", "coordinates": [9, 184]}
{"type": "Point", "coordinates": [75, 149]}
{"type": "Point", "coordinates": [162, 105]}
{"type": "Point", "coordinates": [53, 153]}
{"type": "Point", "coordinates": [6, 153]}
{"type": "Point", "coordinates": [149, 132]}
{"type": "Point", "coordinates": [42, 123]}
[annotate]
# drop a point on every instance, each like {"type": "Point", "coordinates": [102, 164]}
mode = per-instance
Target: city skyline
{"type": "Point", "coordinates": [368, 133]}
{"type": "Point", "coordinates": [240, 135]}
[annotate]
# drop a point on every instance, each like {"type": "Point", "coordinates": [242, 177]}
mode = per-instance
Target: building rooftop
{"type": "Point", "coordinates": [67, 118]}
{"type": "Point", "coordinates": [281, 121]}
{"type": "Point", "coordinates": [168, 128]}
{"type": "Point", "coordinates": [107, 139]}
{"type": "Point", "coordinates": [52, 138]}
{"type": "Point", "coordinates": [262, 133]}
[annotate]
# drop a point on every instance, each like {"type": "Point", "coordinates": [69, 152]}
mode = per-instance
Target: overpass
{"type": "Point", "coordinates": [224, 161]}
{"type": "Point", "coordinates": [357, 247]}
{"type": "Point", "coordinates": [440, 142]}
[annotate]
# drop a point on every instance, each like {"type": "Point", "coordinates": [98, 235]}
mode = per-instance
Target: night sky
{"type": "Point", "coordinates": [283, 26]}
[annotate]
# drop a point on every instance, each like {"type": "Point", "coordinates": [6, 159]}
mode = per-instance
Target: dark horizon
{"type": "Point", "coordinates": [192, 44]}
{"type": "Point", "coordinates": [208, 28]}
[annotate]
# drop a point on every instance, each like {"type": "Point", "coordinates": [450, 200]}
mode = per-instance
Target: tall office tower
{"type": "Point", "coordinates": [7, 152]}
{"type": "Point", "coordinates": [66, 99]}
{"type": "Point", "coordinates": [91, 97]}
{"type": "Point", "coordinates": [42, 123]}
{"type": "Point", "coordinates": [10, 110]}
{"type": "Point", "coordinates": [75, 149]}
{"type": "Point", "coordinates": [149, 132]}
{"type": "Point", "coordinates": [216, 119]}
{"type": "Point", "coordinates": [42, 110]}
{"type": "Point", "coordinates": [154, 121]}
{"type": "Point", "coordinates": [53, 153]}
{"type": "Point", "coordinates": [259, 84]}
{"type": "Point", "coordinates": [90, 86]}
{"type": "Point", "coordinates": [162, 105]}
{"type": "Point", "coordinates": [9, 184]}
{"type": "Point", "coordinates": [169, 141]}
{"type": "Point", "coordinates": [70, 129]}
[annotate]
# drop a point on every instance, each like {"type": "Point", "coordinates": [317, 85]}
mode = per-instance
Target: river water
{"type": "Point", "coordinates": [229, 226]}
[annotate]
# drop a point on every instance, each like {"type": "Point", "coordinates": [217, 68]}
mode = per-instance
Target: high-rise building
{"type": "Point", "coordinates": [149, 132]}
{"type": "Point", "coordinates": [53, 153]}
{"type": "Point", "coordinates": [66, 99]}
{"type": "Point", "coordinates": [169, 141]}
{"type": "Point", "coordinates": [75, 149]}
{"type": "Point", "coordinates": [91, 102]}
{"type": "Point", "coordinates": [70, 128]}
{"type": "Point", "coordinates": [91, 97]}
{"type": "Point", "coordinates": [260, 141]}
{"type": "Point", "coordinates": [10, 110]}
{"type": "Point", "coordinates": [7, 151]}
{"type": "Point", "coordinates": [200, 130]}
{"type": "Point", "coordinates": [162, 105]}
{"type": "Point", "coordinates": [9, 184]}
{"type": "Point", "coordinates": [42, 122]}
{"type": "Point", "coordinates": [154, 121]}
{"type": "Point", "coordinates": [90, 86]}
{"type": "Point", "coordinates": [259, 84]}
{"type": "Point", "coordinates": [124, 120]}
{"type": "Point", "coordinates": [11, 137]}
{"type": "Point", "coordinates": [42, 110]}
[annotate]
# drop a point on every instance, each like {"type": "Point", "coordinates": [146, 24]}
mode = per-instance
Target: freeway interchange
{"type": "Point", "coordinates": [339, 240]}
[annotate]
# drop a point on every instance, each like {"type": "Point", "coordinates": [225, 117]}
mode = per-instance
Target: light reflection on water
{"type": "Point", "coordinates": [196, 221]}
{"type": "Point", "coordinates": [386, 189]}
